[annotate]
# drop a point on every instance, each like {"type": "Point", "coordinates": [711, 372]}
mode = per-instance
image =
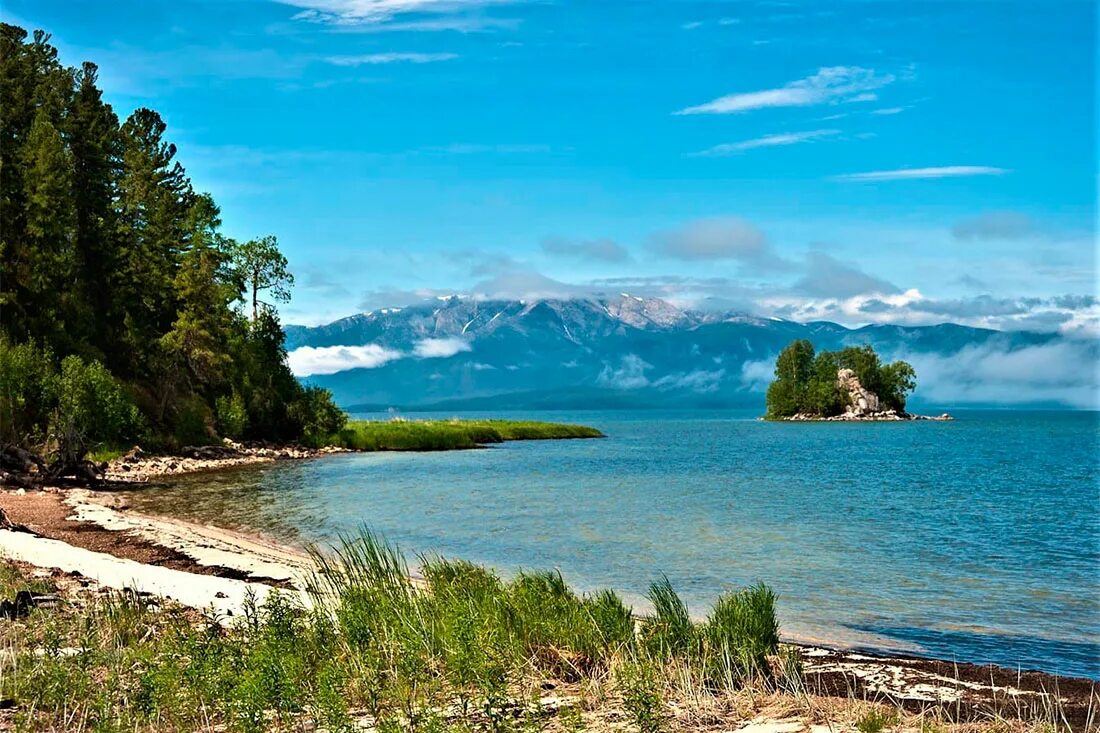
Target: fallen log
{"type": "Point", "coordinates": [26, 470]}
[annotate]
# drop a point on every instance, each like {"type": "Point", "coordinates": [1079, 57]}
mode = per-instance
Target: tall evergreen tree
{"type": "Point", "coordinates": [47, 267]}
{"type": "Point", "coordinates": [155, 197]}
{"type": "Point", "coordinates": [95, 144]}
{"type": "Point", "coordinates": [199, 339]}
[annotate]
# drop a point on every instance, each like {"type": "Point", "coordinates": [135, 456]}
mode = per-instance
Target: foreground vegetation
{"type": "Point", "coordinates": [125, 313]}
{"type": "Point", "coordinates": [429, 435]}
{"type": "Point", "coordinates": [806, 382]}
{"type": "Point", "coordinates": [463, 650]}
{"type": "Point", "coordinates": [467, 650]}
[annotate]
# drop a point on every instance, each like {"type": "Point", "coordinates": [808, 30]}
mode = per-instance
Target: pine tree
{"type": "Point", "coordinates": [95, 144]}
{"type": "Point", "coordinates": [155, 197]}
{"type": "Point", "coordinates": [48, 267]}
{"type": "Point", "coordinates": [199, 339]}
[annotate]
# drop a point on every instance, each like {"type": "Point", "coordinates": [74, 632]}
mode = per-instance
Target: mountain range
{"type": "Point", "coordinates": [459, 353]}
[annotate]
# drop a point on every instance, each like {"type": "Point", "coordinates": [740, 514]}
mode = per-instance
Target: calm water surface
{"type": "Point", "coordinates": [976, 540]}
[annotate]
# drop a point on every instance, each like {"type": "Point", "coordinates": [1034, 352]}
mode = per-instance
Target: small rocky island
{"type": "Point", "coordinates": [847, 385]}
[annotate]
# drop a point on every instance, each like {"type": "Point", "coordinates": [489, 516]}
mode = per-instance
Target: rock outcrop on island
{"type": "Point", "coordinates": [862, 404]}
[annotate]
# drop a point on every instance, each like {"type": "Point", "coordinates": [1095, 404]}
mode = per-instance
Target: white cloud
{"type": "Point", "coordinates": [310, 360]}
{"type": "Point", "coordinates": [757, 375]}
{"type": "Point", "coordinates": [307, 361]}
{"type": "Point", "coordinates": [947, 171]}
{"type": "Point", "coordinates": [390, 58]}
{"type": "Point", "coordinates": [888, 111]}
{"type": "Point", "coordinates": [440, 348]}
{"type": "Point", "coordinates": [989, 373]}
{"type": "Point", "coordinates": [830, 84]}
{"type": "Point", "coordinates": [629, 375]}
{"type": "Point", "coordinates": [767, 141]}
{"type": "Point", "coordinates": [700, 380]}
{"type": "Point", "coordinates": [367, 12]}
{"type": "Point", "coordinates": [1074, 316]}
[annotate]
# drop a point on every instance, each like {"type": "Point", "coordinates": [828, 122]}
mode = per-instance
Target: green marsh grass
{"type": "Point", "coordinates": [436, 435]}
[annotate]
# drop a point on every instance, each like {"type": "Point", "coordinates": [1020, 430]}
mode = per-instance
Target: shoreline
{"type": "Point", "coordinates": [93, 538]}
{"type": "Point", "coordinates": [887, 416]}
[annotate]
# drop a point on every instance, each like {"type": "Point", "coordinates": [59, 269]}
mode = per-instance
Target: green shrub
{"type": "Point", "coordinates": [74, 408]}
{"type": "Point", "coordinates": [232, 415]}
{"type": "Point", "coordinates": [26, 378]}
{"type": "Point", "coordinates": [91, 406]}
{"type": "Point", "coordinates": [193, 423]}
{"type": "Point", "coordinates": [876, 720]}
{"type": "Point", "coordinates": [553, 625]}
{"type": "Point", "coordinates": [316, 415]}
{"type": "Point", "coordinates": [642, 697]}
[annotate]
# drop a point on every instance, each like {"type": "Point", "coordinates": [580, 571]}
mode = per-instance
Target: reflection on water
{"type": "Point", "coordinates": [976, 539]}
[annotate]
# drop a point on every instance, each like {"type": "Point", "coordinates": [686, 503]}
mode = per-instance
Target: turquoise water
{"type": "Point", "coordinates": [976, 540]}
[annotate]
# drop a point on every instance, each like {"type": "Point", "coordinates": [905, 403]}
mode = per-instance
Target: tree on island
{"type": "Point", "coordinates": [809, 383]}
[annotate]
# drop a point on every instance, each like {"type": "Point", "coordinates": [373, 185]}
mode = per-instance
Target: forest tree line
{"type": "Point", "coordinates": [125, 313]}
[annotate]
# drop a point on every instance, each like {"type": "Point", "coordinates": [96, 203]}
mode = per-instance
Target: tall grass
{"type": "Point", "coordinates": [463, 647]}
{"type": "Point", "coordinates": [434, 435]}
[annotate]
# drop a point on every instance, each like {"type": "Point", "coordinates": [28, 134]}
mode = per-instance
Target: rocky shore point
{"type": "Point", "coordinates": [138, 465]}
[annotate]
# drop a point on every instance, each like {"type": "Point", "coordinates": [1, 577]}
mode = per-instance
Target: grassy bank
{"type": "Point", "coordinates": [429, 435]}
{"type": "Point", "coordinates": [464, 651]}
{"type": "Point", "coordinates": [469, 651]}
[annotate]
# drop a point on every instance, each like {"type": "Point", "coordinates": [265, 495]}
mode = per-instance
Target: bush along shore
{"type": "Point", "coordinates": [364, 647]}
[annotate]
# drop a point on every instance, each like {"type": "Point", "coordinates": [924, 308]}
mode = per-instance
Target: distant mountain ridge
{"type": "Point", "coordinates": [462, 353]}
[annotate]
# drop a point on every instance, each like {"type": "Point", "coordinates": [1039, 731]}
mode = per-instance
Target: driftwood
{"type": "Point", "coordinates": [24, 469]}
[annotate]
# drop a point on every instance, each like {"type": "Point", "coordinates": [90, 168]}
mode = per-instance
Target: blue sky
{"type": "Point", "coordinates": [857, 161]}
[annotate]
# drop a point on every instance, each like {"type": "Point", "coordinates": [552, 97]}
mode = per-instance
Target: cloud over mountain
{"type": "Point", "coordinates": [720, 238]}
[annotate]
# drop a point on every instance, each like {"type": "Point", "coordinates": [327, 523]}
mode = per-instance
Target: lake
{"type": "Point", "coordinates": [976, 540]}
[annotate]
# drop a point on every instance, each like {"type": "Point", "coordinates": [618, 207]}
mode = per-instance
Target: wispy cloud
{"type": "Point", "coordinates": [829, 85]}
{"type": "Point", "coordinates": [603, 250]}
{"type": "Point", "coordinates": [376, 12]}
{"type": "Point", "coordinates": [946, 171]}
{"type": "Point", "coordinates": [720, 238]}
{"type": "Point", "coordinates": [995, 225]}
{"type": "Point", "coordinates": [440, 348]}
{"type": "Point", "coordinates": [888, 111]}
{"type": "Point", "coordinates": [390, 58]}
{"type": "Point", "coordinates": [767, 141]}
{"type": "Point", "coordinates": [490, 149]}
